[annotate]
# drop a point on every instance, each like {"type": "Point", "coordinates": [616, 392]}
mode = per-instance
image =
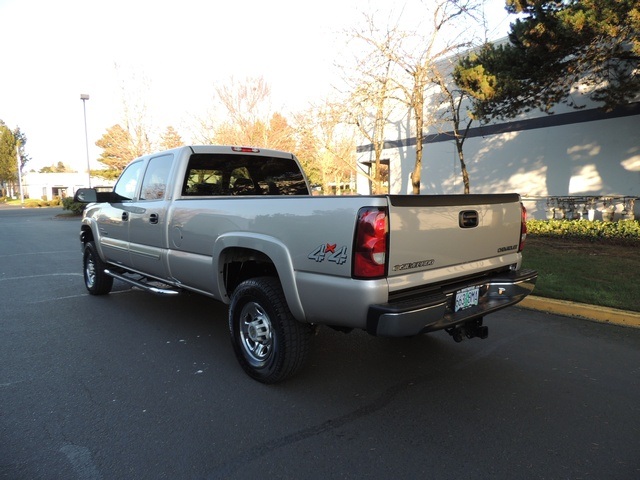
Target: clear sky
{"type": "Point", "coordinates": [55, 50]}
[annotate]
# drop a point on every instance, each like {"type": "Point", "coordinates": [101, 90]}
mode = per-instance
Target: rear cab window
{"type": "Point", "coordinates": [233, 174]}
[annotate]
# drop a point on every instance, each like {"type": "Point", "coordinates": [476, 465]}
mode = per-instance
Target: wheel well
{"type": "Point", "coordinates": [86, 235]}
{"type": "Point", "coordinates": [240, 264]}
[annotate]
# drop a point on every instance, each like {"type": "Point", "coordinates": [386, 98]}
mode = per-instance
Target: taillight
{"type": "Point", "coordinates": [523, 227]}
{"type": "Point", "coordinates": [370, 248]}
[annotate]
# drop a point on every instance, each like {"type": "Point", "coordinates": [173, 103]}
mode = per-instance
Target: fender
{"type": "Point", "coordinates": [275, 250]}
{"type": "Point", "coordinates": [93, 226]}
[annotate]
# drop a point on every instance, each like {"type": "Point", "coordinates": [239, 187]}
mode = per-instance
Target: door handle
{"type": "Point", "coordinates": [125, 216]}
{"type": "Point", "coordinates": [153, 218]}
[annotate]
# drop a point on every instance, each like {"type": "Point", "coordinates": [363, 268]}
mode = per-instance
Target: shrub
{"type": "Point", "coordinates": [33, 203]}
{"type": "Point", "coordinates": [623, 230]}
{"type": "Point", "coordinates": [73, 207]}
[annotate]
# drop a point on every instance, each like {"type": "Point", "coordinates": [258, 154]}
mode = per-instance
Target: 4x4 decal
{"type": "Point", "coordinates": [329, 252]}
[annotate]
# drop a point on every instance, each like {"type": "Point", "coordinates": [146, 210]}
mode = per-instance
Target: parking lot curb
{"type": "Point", "coordinates": [581, 310]}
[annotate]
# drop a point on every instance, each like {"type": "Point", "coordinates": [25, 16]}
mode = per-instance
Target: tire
{"type": "Point", "coordinates": [269, 343]}
{"type": "Point", "coordinates": [96, 281]}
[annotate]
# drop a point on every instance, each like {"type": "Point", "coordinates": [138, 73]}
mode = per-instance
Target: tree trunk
{"type": "Point", "coordinates": [377, 182]}
{"type": "Point", "coordinates": [418, 112]}
{"type": "Point", "coordinates": [463, 167]}
{"type": "Point", "coordinates": [415, 175]}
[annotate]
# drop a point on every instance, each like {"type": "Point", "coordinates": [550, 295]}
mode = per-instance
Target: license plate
{"type": "Point", "coordinates": [467, 297]}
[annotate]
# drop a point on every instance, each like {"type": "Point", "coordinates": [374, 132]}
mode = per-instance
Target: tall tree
{"type": "Point", "coordinates": [170, 139]}
{"type": "Point", "coordinates": [415, 54]}
{"type": "Point", "coordinates": [243, 116]}
{"type": "Point", "coordinates": [370, 106]}
{"type": "Point", "coordinates": [247, 111]}
{"type": "Point", "coordinates": [327, 146]}
{"type": "Point", "coordinates": [8, 159]}
{"type": "Point", "coordinates": [132, 137]}
{"type": "Point", "coordinates": [308, 146]}
{"type": "Point", "coordinates": [21, 141]}
{"type": "Point", "coordinates": [12, 147]}
{"type": "Point", "coordinates": [455, 114]}
{"type": "Point", "coordinates": [117, 148]}
{"type": "Point", "coordinates": [135, 116]}
{"type": "Point", "coordinates": [280, 135]}
{"type": "Point", "coordinates": [555, 46]}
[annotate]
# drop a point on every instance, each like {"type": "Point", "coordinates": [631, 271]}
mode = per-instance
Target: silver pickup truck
{"type": "Point", "coordinates": [239, 225]}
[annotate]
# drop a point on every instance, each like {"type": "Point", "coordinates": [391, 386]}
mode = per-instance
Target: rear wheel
{"type": "Point", "coordinates": [269, 343]}
{"type": "Point", "coordinates": [96, 281]}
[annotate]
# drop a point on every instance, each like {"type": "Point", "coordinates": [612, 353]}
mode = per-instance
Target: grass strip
{"type": "Point", "coordinates": [597, 273]}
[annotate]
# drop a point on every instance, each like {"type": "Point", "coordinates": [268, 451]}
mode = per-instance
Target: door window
{"type": "Point", "coordinates": [154, 184]}
{"type": "Point", "coordinates": [128, 182]}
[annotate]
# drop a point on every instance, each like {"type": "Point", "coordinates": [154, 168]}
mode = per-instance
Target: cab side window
{"type": "Point", "coordinates": [156, 178]}
{"type": "Point", "coordinates": [128, 182]}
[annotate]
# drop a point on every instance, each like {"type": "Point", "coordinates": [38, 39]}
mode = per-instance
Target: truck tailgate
{"type": "Point", "coordinates": [435, 233]}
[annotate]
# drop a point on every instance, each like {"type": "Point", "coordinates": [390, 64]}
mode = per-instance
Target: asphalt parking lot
{"type": "Point", "coordinates": [131, 385]}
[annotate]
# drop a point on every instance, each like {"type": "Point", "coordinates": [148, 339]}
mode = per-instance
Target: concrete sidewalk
{"type": "Point", "coordinates": [581, 310]}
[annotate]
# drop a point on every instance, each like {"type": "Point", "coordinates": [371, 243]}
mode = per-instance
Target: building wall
{"type": "Point", "coordinates": [49, 185]}
{"type": "Point", "coordinates": [550, 160]}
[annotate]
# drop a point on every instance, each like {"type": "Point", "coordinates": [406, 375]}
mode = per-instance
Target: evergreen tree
{"type": "Point", "coordinates": [170, 139]}
{"type": "Point", "coordinates": [21, 141]}
{"type": "Point", "coordinates": [117, 146]}
{"type": "Point", "coordinates": [554, 46]}
{"type": "Point", "coordinates": [12, 146]}
{"type": "Point", "coordinates": [59, 168]}
{"type": "Point", "coordinates": [8, 158]}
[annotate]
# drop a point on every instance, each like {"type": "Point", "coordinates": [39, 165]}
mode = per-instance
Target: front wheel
{"type": "Point", "coordinates": [269, 343]}
{"type": "Point", "coordinates": [96, 281]}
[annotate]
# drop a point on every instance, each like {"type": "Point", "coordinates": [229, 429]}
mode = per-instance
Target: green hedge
{"type": "Point", "coordinates": [73, 207]}
{"type": "Point", "coordinates": [623, 230]}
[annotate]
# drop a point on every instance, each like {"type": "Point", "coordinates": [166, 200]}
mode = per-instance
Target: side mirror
{"type": "Point", "coordinates": [86, 195]}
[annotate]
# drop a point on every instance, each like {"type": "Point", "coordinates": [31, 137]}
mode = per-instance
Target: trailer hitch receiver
{"type": "Point", "coordinates": [471, 329]}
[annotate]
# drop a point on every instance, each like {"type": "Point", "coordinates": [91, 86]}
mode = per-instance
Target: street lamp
{"type": "Point", "coordinates": [84, 97]}
{"type": "Point", "coordinates": [20, 173]}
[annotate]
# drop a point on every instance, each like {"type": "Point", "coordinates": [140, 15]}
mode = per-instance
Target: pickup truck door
{"type": "Point", "coordinates": [113, 220]}
{"type": "Point", "coordinates": [147, 220]}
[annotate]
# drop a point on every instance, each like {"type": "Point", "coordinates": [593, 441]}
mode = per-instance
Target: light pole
{"type": "Point", "coordinates": [20, 173]}
{"type": "Point", "coordinates": [84, 97]}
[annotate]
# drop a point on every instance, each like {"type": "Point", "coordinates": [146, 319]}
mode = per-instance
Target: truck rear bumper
{"type": "Point", "coordinates": [416, 313]}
